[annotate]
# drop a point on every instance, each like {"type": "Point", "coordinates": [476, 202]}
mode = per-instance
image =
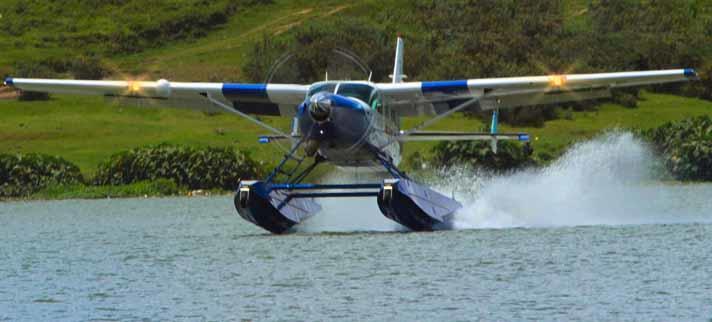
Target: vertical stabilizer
{"type": "Point", "coordinates": [398, 64]}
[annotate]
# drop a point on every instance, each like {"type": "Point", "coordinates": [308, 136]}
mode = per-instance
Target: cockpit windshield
{"type": "Point", "coordinates": [326, 87]}
{"type": "Point", "coordinates": [360, 91]}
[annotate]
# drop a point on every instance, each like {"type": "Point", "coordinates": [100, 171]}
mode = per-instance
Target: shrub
{"type": "Point", "coordinates": [22, 175]}
{"type": "Point", "coordinates": [479, 154]}
{"type": "Point", "coordinates": [32, 96]}
{"type": "Point", "coordinates": [627, 97]}
{"type": "Point", "coordinates": [195, 168]}
{"type": "Point", "coordinates": [686, 147]}
{"type": "Point", "coordinates": [87, 67]}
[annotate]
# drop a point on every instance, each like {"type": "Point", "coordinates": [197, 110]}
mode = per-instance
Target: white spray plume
{"type": "Point", "coordinates": [613, 179]}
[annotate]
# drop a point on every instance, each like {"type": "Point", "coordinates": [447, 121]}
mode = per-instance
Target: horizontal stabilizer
{"type": "Point", "coordinates": [461, 136]}
{"type": "Point", "coordinates": [264, 139]}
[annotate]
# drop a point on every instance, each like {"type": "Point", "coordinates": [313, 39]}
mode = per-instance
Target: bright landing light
{"type": "Point", "coordinates": [557, 80]}
{"type": "Point", "coordinates": [134, 87]}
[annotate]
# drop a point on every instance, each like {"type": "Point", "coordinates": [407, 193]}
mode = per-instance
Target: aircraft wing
{"type": "Point", "coordinates": [260, 99]}
{"type": "Point", "coordinates": [437, 97]}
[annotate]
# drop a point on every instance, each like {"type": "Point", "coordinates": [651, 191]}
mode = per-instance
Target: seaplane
{"type": "Point", "coordinates": [356, 124]}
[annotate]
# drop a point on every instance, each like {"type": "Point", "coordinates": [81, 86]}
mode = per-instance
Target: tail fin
{"type": "Point", "coordinates": [398, 64]}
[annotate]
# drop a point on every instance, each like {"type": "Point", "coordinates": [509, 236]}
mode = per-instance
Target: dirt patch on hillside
{"type": "Point", "coordinates": [7, 93]}
{"type": "Point", "coordinates": [283, 28]}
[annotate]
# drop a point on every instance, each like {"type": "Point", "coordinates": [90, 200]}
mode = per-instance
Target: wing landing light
{"type": "Point", "coordinates": [557, 81]}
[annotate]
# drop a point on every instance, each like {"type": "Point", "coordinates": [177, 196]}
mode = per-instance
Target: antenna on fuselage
{"type": "Point", "coordinates": [398, 75]}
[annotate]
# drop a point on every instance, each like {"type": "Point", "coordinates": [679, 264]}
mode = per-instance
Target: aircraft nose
{"type": "Point", "coordinates": [320, 108]}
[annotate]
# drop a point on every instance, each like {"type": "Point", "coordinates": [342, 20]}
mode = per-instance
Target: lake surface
{"type": "Point", "coordinates": [194, 259]}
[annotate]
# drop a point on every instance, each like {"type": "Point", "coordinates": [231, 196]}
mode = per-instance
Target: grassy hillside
{"type": "Point", "coordinates": [135, 38]}
{"type": "Point", "coordinates": [87, 130]}
{"type": "Point", "coordinates": [199, 40]}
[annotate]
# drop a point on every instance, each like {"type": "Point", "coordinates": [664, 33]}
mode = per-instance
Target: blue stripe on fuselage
{"type": "Point", "coordinates": [8, 81]}
{"type": "Point", "coordinates": [245, 91]}
{"type": "Point", "coordinates": [444, 86]}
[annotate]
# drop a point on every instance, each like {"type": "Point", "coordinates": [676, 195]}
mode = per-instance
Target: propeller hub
{"type": "Point", "coordinates": [320, 107]}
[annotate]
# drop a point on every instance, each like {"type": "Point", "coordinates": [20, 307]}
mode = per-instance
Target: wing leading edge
{"type": "Point", "coordinates": [261, 99]}
{"type": "Point", "coordinates": [407, 99]}
{"type": "Point", "coordinates": [436, 97]}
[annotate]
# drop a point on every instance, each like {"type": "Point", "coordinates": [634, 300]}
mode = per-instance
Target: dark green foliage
{"type": "Point", "coordinates": [479, 154]}
{"type": "Point", "coordinates": [686, 147]}
{"type": "Point", "coordinates": [81, 67]}
{"type": "Point", "coordinates": [310, 51]}
{"type": "Point", "coordinates": [113, 26]}
{"type": "Point", "coordinates": [486, 38]}
{"type": "Point", "coordinates": [626, 97]}
{"type": "Point", "coordinates": [32, 96]}
{"type": "Point", "coordinates": [703, 87]}
{"type": "Point", "coordinates": [22, 175]}
{"type": "Point", "coordinates": [87, 67]}
{"type": "Point", "coordinates": [195, 168]}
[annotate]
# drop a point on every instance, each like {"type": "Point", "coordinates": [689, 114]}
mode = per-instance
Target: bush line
{"type": "Point", "coordinates": [163, 169]}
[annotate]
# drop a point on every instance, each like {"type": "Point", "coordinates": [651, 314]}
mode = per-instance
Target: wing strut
{"type": "Point", "coordinates": [439, 117]}
{"type": "Point", "coordinates": [264, 125]}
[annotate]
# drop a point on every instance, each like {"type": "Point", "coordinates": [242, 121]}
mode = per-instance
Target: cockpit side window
{"type": "Point", "coordinates": [375, 101]}
{"type": "Point", "coordinates": [328, 87]}
{"type": "Point", "coordinates": [360, 91]}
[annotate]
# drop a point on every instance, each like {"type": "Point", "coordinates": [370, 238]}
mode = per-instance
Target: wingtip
{"type": "Point", "coordinates": [691, 73]}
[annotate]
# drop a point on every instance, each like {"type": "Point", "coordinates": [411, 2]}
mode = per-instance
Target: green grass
{"type": "Point", "coordinates": [87, 130]}
{"type": "Point", "coordinates": [156, 188]}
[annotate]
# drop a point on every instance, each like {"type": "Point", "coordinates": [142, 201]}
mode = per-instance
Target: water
{"type": "Point", "coordinates": [589, 238]}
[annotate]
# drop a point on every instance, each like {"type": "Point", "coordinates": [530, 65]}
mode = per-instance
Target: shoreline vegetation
{"type": "Point", "coordinates": [161, 170]}
{"type": "Point", "coordinates": [144, 189]}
